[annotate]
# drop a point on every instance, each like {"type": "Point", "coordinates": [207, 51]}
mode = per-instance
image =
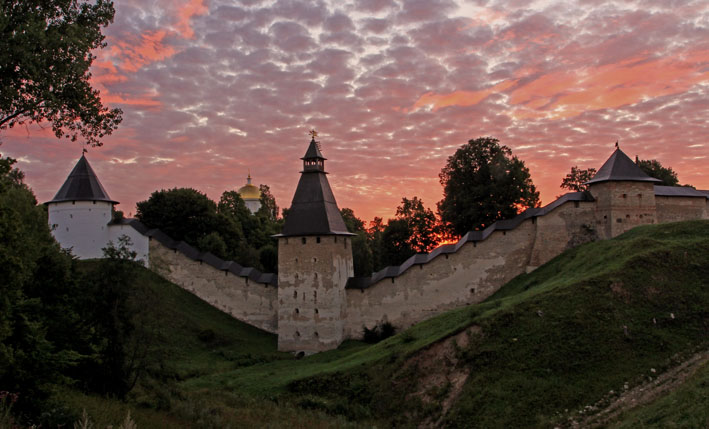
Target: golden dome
{"type": "Point", "coordinates": [249, 191]}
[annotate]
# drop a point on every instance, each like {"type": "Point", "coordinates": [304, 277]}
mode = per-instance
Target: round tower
{"type": "Point", "coordinates": [80, 212]}
{"type": "Point", "coordinates": [624, 194]}
{"type": "Point", "coordinates": [314, 263]}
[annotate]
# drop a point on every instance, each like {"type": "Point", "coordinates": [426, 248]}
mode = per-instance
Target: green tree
{"type": "Point", "coordinates": [375, 242]}
{"type": "Point", "coordinates": [39, 323]}
{"type": "Point", "coordinates": [182, 213]}
{"type": "Point", "coordinates": [482, 183]}
{"type": "Point", "coordinates": [45, 55]}
{"type": "Point", "coordinates": [361, 253]}
{"type": "Point", "coordinates": [654, 168]}
{"type": "Point", "coordinates": [268, 207]}
{"type": "Point", "coordinates": [574, 181]}
{"type": "Point", "coordinates": [424, 227]}
{"type": "Point", "coordinates": [396, 246]}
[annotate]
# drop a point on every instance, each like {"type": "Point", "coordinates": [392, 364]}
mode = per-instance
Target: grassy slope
{"type": "Point", "coordinates": [188, 350]}
{"type": "Point", "coordinates": [557, 339]}
{"type": "Point", "coordinates": [554, 340]}
{"type": "Point", "coordinates": [687, 407]}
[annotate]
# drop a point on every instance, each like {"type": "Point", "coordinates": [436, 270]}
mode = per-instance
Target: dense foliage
{"type": "Point", "coordinates": [654, 168]}
{"type": "Point", "coordinates": [576, 179]}
{"type": "Point", "coordinates": [59, 325]}
{"type": "Point", "coordinates": [45, 55]}
{"type": "Point", "coordinates": [482, 183]}
{"type": "Point", "coordinates": [227, 228]}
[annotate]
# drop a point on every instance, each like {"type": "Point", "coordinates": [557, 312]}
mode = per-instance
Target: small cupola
{"type": "Point", "coordinates": [313, 159]}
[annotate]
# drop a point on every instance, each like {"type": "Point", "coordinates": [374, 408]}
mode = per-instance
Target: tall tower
{"type": "Point", "coordinates": [624, 194]}
{"type": "Point", "coordinates": [314, 263]}
{"type": "Point", "coordinates": [80, 212]}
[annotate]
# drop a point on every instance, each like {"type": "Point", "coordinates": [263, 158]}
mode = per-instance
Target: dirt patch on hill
{"type": "Point", "coordinates": [440, 378]}
{"type": "Point", "coordinates": [641, 394]}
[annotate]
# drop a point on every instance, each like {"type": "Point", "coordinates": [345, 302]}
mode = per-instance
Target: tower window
{"type": "Point", "coordinates": [315, 259]}
{"type": "Point", "coordinates": [297, 334]}
{"type": "Point", "coordinates": [71, 216]}
{"type": "Point", "coordinates": [297, 311]}
{"type": "Point", "coordinates": [303, 240]}
{"type": "Point", "coordinates": [316, 311]}
{"type": "Point", "coordinates": [625, 195]}
{"type": "Point", "coordinates": [316, 334]}
{"type": "Point", "coordinates": [295, 294]}
{"type": "Point", "coordinates": [317, 239]}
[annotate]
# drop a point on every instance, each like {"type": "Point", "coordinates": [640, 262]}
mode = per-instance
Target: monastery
{"type": "Point", "coordinates": [315, 302]}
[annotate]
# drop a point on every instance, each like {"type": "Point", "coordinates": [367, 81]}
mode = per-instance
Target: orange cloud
{"type": "Point", "coordinates": [185, 13]}
{"type": "Point", "coordinates": [134, 54]}
{"type": "Point", "coordinates": [460, 98]}
{"type": "Point", "coordinates": [564, 93]}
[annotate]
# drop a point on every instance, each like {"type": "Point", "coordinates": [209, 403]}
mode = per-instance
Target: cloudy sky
{"type": "Point", "coordinates": [214, 88]}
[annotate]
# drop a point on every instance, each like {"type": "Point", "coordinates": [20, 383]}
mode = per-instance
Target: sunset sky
{"type": "Point", "coordinates": [211, 89]}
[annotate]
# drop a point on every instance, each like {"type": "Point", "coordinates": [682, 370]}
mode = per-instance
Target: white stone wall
{"type": "Point", "coordinates": [81, 226]}
{"type": "Point", "coordinates": [140, 243]}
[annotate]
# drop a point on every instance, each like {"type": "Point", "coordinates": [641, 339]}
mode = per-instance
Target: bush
{"type": "Point", "coordinates": [379, 332]}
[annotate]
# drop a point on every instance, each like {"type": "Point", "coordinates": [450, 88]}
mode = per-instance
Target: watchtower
{"type": "Point", "coordinates": [314, 263]}
{"type": "Point", "coordinates": [80, 212]}
{"type": "Point", "coordinates": [624, 194]}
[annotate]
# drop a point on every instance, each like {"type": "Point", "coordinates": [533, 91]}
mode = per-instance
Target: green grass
{"type": "Point", "coordinates": [687, 407]}
{"type": "Point", "coordinates": [553, 341]}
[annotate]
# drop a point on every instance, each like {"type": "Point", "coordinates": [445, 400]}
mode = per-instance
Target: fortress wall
{"type": "Point", "coordinates": [468, 276]}
{"type": "Point", "coordinates": [676, 209]}
{"type": "Point", "coordinates": [623, 205]}
{"type": "Point", "coordinates": [250, 302]}
{"type": "Point", "coordinates": [567, 226]}
{"type": "Point", "coordinates": [140, 243]}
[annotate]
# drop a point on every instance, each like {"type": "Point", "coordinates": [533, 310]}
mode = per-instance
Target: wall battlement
{"type": "Point", "coordinates": [314, 302]}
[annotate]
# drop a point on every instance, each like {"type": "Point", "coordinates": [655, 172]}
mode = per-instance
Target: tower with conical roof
{"type": "Point", "coordinates": [80, 212]}
{"type": "Point", "coordinates": [314, 263]}
{"type": "Point", "coordinates": [81, 217]}
{"type": "Point", "coordinates": [624, 194]}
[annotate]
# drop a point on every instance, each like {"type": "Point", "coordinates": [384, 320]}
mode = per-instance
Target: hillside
{"type": "Point", "coordinates": [592, 328]}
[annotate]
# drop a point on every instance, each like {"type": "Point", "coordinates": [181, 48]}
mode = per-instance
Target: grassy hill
{"type": "Point", "coordinates": [553, 347]}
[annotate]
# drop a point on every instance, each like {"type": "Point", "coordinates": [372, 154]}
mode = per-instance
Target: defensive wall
{"type": "Point", "coordinates": [451, 276]}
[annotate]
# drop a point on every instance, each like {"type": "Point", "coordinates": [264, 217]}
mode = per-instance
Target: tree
{"type": "Point", "coordinates": [653, 168]}
{"type": "Point", "coordinates": [268, 202]}
{"type": "Point", "coordinates": [395, 243]}
{"type": "Point", "coordinates": [182, 213]}
{"type": "Point", "coordinates": [361, 253]}
{"type": "Point", "coordinates": [375, 242]}
{"type": "Point", "coordinates": [422, 224]}
{"type": "Point", "coordinates": [574, 181]}
{"type": "Point", "coordinates": [483, 182]}
{"type": "Point", "coordinates": [45, 56]}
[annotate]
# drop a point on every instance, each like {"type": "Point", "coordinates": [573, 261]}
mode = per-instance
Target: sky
{"type": "Point", "coordinates": [214, 89]}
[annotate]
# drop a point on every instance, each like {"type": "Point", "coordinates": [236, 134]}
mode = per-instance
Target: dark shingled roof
{"type": "Point", "coordinates": [679, 191]}
{"type": "Point", "coordinates": [620, 168]}
{"type": "Point", "coordinates": [82, 185]}
{"type": "Point", "coordinates": [472, 236]}
{"type": "Point", "coordinates": [313, 151]}
{"type": "Point", "coordinates": [314, 209]}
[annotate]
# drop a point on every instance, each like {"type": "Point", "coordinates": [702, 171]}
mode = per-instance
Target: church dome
{"type": "Point", "coordinates": [249, 191]}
